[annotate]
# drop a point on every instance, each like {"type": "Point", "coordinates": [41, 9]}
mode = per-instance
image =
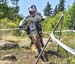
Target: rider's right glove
{"type": "Point", "coordinates": [20, 27]}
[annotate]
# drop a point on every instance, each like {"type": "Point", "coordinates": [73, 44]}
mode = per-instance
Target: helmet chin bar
{"type": "Point", "coordinates": [32, 13]}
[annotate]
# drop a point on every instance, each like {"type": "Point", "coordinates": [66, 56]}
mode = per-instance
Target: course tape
{"type": "Point", "coordinates": [72, 51]}
{"type": "Point", "coordinates": [59, 31]}
{"type": "Point", "coordinates": [54, 39]}
{"type": "Point", "coordinates": [9, 29]}
{"type": "Point", "coordinates": [43, 32]}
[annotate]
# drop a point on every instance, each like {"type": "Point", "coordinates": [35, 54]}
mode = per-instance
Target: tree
{"type": "Point", "coordinates": [15, 2]}
{"type": "Point", "coordinates": [3, 10]}
{"type": "Point", "coordinates": [48, 10]}
{"type": "Point", "coordinates": [61, 5]}
{"type": "Point", "coordinates": [7, 11]}
{"type": "Point", "coordinates": [3, 1]}
{"type": "Point", "coordinates": [71, 17]}
{"type": "Point", "coordinates": [55, 10]}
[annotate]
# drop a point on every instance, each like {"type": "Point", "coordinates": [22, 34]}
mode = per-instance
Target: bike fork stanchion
{"type": "Point", "coordinates": [36, 61]}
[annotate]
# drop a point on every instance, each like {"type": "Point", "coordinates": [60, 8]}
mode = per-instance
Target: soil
{"type": "Point", "coordinates": [27, 55]}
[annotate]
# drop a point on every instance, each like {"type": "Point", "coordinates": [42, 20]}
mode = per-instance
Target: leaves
{"type": "Point", "coordinates": [61, 5]}
{"type": "Point", "coordinates": [48, 10]}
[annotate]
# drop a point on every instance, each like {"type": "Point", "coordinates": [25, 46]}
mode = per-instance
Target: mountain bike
{"type": "Point", "coordinates": [36, 39]}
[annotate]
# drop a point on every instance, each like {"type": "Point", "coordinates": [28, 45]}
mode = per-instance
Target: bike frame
{"type": "Point", "coordinates": [36, 38]}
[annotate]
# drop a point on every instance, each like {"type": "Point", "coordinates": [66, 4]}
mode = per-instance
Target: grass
{"type": "Point", "coordinates": [55, 55]}
{"type": "Point", "coordinates": [11, 37]}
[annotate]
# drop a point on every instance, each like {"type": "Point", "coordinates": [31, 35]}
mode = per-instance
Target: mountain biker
{"type": "Point", "coordinates": [34, 16]}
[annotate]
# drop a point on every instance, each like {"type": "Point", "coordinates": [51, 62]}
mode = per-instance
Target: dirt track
{"type": "Point", "coordinates": [27, 56]}
{"type": "Point", "coordinates": [23, 55]}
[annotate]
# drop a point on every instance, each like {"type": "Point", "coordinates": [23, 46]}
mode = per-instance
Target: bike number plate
{"type": "Point", "coordinates": [32, 26]}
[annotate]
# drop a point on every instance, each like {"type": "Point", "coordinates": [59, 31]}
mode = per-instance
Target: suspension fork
{"type": "Point", "coordinates": [36, 41]}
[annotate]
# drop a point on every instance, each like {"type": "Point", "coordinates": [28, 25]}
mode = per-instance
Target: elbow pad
{"type": "Point", "coordinates": [22, 22]}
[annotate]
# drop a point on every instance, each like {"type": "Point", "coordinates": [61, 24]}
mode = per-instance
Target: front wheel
{"type": "Point", "coordinates": [39, 48]}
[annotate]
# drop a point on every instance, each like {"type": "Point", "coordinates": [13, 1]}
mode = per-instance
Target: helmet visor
{"type": "Point", "coordinates": [31, 11]}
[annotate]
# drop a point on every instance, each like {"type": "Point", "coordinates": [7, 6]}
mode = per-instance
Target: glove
{"type": "Point", "coordinates": [44, 17]}
{"type": "Point", "coordinates": [20, 27]}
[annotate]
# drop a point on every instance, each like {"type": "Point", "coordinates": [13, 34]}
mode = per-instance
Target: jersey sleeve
{"type": "Point", "coordinates": [38, 17]}
{"type": "Point", "coordinates": [41, 16]}
{"type": "Point", "coordinates": [22, 22]}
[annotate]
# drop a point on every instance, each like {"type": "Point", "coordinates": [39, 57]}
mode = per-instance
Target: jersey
{"type": "Point", "coordinates": [32, 22]}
